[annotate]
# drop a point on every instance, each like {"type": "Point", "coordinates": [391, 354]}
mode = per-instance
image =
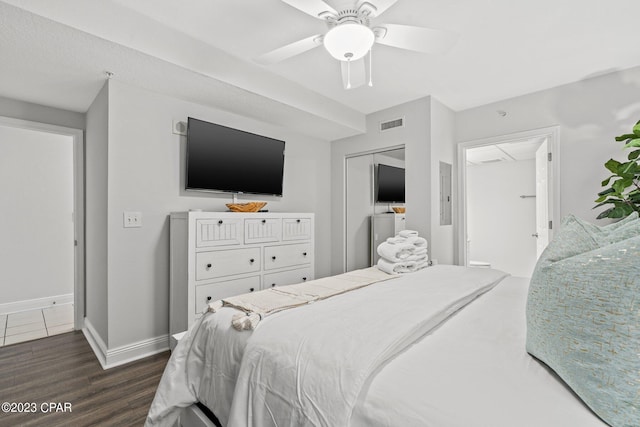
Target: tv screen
{"type": "Point", "coordinates": [389, 184]}
{"type": "Point", "coordinates": [220, 158]}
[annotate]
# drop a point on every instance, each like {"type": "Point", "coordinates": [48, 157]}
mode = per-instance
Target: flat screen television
{"type": "Point", "coordinates": [222, 159]}
{"type": "Point", "coordinates": [389, 184]}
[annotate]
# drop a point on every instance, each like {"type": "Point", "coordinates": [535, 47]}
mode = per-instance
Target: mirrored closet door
{"type": "Point", "coordinates": [361, 206]}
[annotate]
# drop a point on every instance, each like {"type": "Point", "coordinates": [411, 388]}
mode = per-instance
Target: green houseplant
{"type": "Point", "coordinates": [622, 188]}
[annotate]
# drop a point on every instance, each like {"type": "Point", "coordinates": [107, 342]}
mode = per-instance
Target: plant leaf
{"type": "Point", "coordinates": [633, 143]}
{"type": "Point", "coordinates": [636, 129]}
{"type": "Point", "coordinates": [625, 137]}
{"type": "Point", "coordinates": [617, 212]}
{"type": "Point", "coordinates": [606, 181]}
{"type": "Point", "coordinates": [612, 165]}
{"type": "Point", "coordinates": [634, 155]}
{"type": "Point", "coordinates": [607, 191]}
{"type": "Point", "coordinates": [605, 214]}
{"type": "Point", "coordinates": [628, 169]}
{"type": "Point", "coordinates": [620, 185]}
{"type": "Point", "coordinates": [606, 202]}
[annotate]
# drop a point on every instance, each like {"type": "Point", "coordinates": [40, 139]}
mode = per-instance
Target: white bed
{"type": "Point", "coordinates": [465, 365]}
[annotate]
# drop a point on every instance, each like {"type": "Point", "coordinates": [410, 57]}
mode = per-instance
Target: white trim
{"type": "Point", "coordinates": [95, 342]}
{"type": "Point", "coordinates": [110, 358]}
{"type": "Point", "coordinates": [552, 133]}
{"type": "Point", "coordinates": [139, 350]}
{"type": "Point", "coordinates": [34, 304]}
{"type": "Point", "coordinates": [78, 197]}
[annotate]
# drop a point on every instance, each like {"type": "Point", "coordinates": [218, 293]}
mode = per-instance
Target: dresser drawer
{"type": "Point", "coordinates": [216, 291]}
{"type": "Point", "coordinates": [296, 229]}
{"type": "Point", "coordinates": [288, 277]}
{"type": "Point", "coordinates": [212, 264]}
{"type": "Point", "coordinates": [218, 232]}
{"type": "Point", "coordinates": [262, 230]}
{"type": "Point", "coordinates": [287, 255]}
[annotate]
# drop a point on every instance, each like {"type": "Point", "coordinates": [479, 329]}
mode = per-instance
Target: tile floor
{"type": "Point", "coordinates": [34, 324]}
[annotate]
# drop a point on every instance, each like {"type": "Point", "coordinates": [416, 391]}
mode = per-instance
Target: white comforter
{"type": "Point", "coordinates": [306, 366]}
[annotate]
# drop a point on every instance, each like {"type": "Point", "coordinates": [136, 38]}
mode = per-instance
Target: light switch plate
{"type": "Point", "coordinates": [132, 219]}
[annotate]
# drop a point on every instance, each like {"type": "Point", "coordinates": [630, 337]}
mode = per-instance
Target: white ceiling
{"type": "Point", "coordinates": [203, 50]}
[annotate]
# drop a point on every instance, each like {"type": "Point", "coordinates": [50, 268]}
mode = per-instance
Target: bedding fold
{"type": "Point", "coordinates": [258, 305]}
{"type": "Point", "coordinates": [298, 370]}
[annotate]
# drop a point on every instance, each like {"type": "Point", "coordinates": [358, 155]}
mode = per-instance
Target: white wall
{"type": "Point", "coordinates": [36, 183]}
{"type": "Point", "coordinates": [499, 222]}
{"type": "Point", "coordinates": [96, 209]}
{"type": "Point", "coordinates": [441, 245]}
{"type": "Point", "coordinates": [414, 136]}
{"type": "Point", "coordinates": [589, 113]}
{"type": "Point", "coordinates": [145, 174]}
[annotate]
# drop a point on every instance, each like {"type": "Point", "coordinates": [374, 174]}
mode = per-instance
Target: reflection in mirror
{"type": "Point", "coordinates": [361, 207]}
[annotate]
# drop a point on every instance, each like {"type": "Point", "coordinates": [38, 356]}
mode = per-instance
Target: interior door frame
{"type": "Point", "coordinates": [77, 136]}
{"type": "Point", "coordinates": [552, 134]}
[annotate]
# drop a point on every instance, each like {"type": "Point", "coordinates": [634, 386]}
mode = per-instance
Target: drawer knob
{"type": "Point", "coordinates": [220, 222]}
{"type": "Point", "coordinates": [273, 285]}
{"type": "Point", "coordinates": [252, 260]}
{"type": "Point", "coordinates": [208, 265]}
{"type": "Point", "coordinates": [251, 290]}
{"type": "Point", "coordinates": [273, 257]}
{"type": "Point", "coordinates": [264, 221]}
{"type": "Point", "coordinates": [208, 298]}
{"type": "Point", "coordinates": [304, 279]}
{"type": "Point", "coordinates": [304, 254]}
{"type": "Point", "coordinates": [297, 220]}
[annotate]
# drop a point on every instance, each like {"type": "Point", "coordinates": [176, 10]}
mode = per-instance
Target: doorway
{"type": "Point", "coordinates": [42, 182]}
{"type": "Point", "coordinates": [508, 199]}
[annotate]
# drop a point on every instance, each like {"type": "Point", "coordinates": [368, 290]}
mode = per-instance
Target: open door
{"type": "Point", "coordinates": [542, 196]}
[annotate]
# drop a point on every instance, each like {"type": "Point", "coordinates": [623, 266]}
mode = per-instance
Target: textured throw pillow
{"type": "Point", "coordinates": [583, 319]}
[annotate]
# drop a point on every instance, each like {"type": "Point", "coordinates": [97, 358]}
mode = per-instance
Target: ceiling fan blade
{"type": "Point", "coordinates": [290, 50]}
{"type": "Point", "coordinates": [380, 6]}
{"type": "Point", "coordinates": [353, 72]}
{"type": "Point", "coordinates": [315, 8]}
{"type": "Point", "coordinates": [420, 39]}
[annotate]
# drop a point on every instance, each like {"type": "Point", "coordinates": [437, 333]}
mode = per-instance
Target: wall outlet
{"type": "Point", "coordinates": [132, 219]}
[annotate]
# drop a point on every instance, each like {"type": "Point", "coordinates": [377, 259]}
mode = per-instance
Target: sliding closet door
{"type": "Point", "coordinates": [359, 208]}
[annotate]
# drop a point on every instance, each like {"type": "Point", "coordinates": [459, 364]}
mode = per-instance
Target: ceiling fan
{"type": "Point", "coordinates": [351, 36]}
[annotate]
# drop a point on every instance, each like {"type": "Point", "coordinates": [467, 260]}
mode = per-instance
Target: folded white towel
{"type": "Point", "coordinates": [396, 240]}
{"type": "Point", "coordinates": [422, 264]}
{"type": "Point", "coordinates": [419, 251]}
{"type": "Point", "coordinates": [396, 267]}
{"type": "Point", "coordinates": [419, 242]}
{"type": "Point", "coordinates": [395, 252]}
{"type": "Point", "coordinates": [417, 258]}
{"type": "Point", "coordinates": [408, 233]}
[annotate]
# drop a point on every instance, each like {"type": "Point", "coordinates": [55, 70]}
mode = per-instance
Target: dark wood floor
{"type": "Point", "coordinates": [63, 369]}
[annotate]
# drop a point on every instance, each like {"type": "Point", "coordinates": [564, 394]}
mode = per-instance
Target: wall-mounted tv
{"type": "Point", "coordinates": [389, 184]}
{"type": "Point", "coordinates": [222, 159]}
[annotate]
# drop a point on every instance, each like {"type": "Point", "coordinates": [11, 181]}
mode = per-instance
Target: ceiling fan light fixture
{"type": "Point", "coordinates": [349, 41]}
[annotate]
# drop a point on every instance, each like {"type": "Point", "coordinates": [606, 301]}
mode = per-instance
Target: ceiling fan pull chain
{"type": "Point", "coordinates": [348, 56]}
{"type": "Point", "coordinates": [370, 69]}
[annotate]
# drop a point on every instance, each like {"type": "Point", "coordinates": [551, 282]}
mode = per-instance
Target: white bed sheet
{"type": "Point", "coordinates": [473, 371]}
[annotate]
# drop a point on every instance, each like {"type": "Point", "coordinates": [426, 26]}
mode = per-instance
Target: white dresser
{"type": "Point", "coordinates": [214, 255]}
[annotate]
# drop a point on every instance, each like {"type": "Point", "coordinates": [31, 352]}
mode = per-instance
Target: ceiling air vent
{"type": "Point", "coordinates": [396, 123]}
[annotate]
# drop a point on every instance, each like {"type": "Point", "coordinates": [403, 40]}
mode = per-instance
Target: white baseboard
{"type": "Point", "coordinates": [110, 358]}
{"type": "Point", "coordinates": [95, 342]}
{"type": "Point", "coordinates": [33, 304]}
